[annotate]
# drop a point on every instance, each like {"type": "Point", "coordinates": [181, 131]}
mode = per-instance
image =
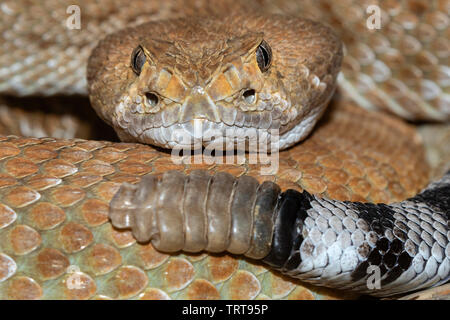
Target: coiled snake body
{"type": "Point", "coordinates": [224, 79]}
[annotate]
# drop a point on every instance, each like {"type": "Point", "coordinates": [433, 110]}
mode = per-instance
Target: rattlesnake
{"type": "Point", "coordinates": [252, 72]}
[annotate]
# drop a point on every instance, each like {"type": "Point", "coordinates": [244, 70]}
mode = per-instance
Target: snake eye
{"type": "Point", "coordinates": [264, 56]}
{"type": "Point", "coordinates": [137, 59]}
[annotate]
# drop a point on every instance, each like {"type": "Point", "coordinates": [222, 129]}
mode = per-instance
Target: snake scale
{"type": "Point", "coordinates": [84, 219]}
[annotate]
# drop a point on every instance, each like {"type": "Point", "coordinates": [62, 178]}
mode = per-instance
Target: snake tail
{"type": "Point", "coordinates": [376, 249]}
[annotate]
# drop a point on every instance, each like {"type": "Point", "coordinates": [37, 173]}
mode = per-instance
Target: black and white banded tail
{"type": "Point", "coordinates": [376, 249]}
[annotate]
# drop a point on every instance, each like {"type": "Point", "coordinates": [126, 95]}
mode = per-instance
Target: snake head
{"type": "Point", "coordinates": [188, 82]}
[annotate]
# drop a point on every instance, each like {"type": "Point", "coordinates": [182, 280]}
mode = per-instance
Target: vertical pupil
{"type": "Point", "coordinates": [138, 60]}
{"type": "Point", "coordinates": [265, 56]}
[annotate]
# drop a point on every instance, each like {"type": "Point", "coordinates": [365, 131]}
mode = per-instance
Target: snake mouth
{"type": "Point", "coordinates": [233, 128]}
{"type": "Point", "coordinates": [216, 135]}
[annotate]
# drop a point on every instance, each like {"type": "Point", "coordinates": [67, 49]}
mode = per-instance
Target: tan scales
{"type": "Point", "coordinates": [55, 193]}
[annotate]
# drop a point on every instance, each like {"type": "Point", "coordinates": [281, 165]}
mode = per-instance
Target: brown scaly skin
{"type": "Point", "coordinates": [44, 246]}
{"type": "Point", "coordinates": [55, 196]}
{"type": "Point", "coordinates": [400, 67]}
{"type": "Point", "coordinates": [33, 117]}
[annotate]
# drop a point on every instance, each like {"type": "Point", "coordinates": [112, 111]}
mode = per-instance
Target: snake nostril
{"type": "Point", "coordinates": [249, 96]}
{"type": "Point", "coordinates": [152, 98]}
